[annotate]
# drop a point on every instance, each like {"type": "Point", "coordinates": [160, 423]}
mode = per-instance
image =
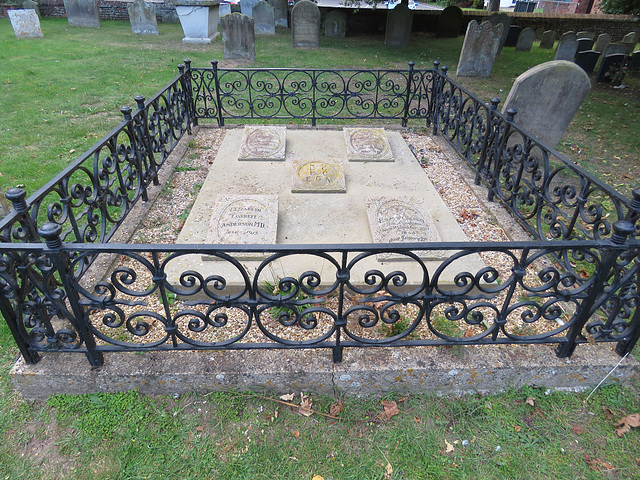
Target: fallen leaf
{"type": "Point", "coordinates": [577, 430]}
{"type": "Point", "coordinates": [417, 419]}
{"type": "Point", "coordinates": [335, 409]}
{"type": "Point", "coordinates": [449, 448]}
{"type": "Point", "coordinates": [296, 433]}
{"type": "Point", "coordinates": [468, 332]}
{"type": "Point", "coordinates": [517, 428]}
{"type": "Point", "coordinates": [531, 401]}
{"type": "Point", "coordinates": [390, 408]}
{"type": "Point", "coordinates": [625, 423]}
{"type": "Point", "coordinates": [317, 477]}
{"type": "Point", "coordinates": [73, 150]}
{"type": "Point", "coordinates": [608, 414]}
{"type": "Point", "coordinates": [400, 400]}
{"type": "Point", "coordinates": [596, 464]}
{"type": "Point", "coordinates": [305, 405]}
{"type": "Point", "coordinates": [200, 428]}
{"type": "Point", "coordinates": [388, 471]}
{"type": "Point", "coordinates": [287, 398]}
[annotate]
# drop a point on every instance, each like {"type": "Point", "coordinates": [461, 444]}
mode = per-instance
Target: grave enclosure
{"type": "Point", "coordinates": [413, 280]}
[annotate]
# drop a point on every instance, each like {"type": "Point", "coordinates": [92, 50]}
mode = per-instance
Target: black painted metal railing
{"type": "Point", "coordinates": [576, 282]}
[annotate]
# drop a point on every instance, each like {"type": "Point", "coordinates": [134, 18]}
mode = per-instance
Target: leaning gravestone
{"type": "Point", "coordinates": [634, 64]}
{"type": "Point", "coordinates": [525, 40]}
{"type": "Point", "coordinates": [613, 49]}
{"type": "Point", "coordinates": [547, 97]}
{"type": "Point", "coordinates": [305, 25]}
{"type": "Point", "coordinates": [82, 13]}
{"type": "Point", "coordinates": [263, 19]}
{"type": "Point", "coordinates": [629, 46]}
{"type": "Point", "coordinates": [25, 23]}
{"type": "Point", "coordinates": [238, 40]}
{"type": "Point", "coordinates": [246, 7]}
{"type": "Point", "coordinates": [587, 60]}
{"type": "Point", "coordinates": [335, 24]}
{"type": "Point", "coordinates": [585, 44]}
{"type": "Point", "coordinates": [631, 37]}
{"type": "Point", "coordinates": [566, 50]}
{"type": "Point", "coordinates": [570, 35]}
{"type": "Point", "coordinates": [503, 19]}
{"type": "Point", "coordinates": [142, 16]}
{"type": "Point", "coordinates": [479, 49]}
{"type": "Point", "coordinates": [610, 68]}
{"type": "Point", "coordinates": [548, 39]}
{"type": "Point", "coordinates": [280, 12]}
{"type": "Point", "coordinates": [399, 25]}
{"type": "Point", "coordinates": [603, 40]}
{"type": "Point", "coordinates": [449, 22]}
{"type": "Point", "coordinates": [512, 36]}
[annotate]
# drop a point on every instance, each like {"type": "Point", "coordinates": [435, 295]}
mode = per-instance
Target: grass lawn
{"type": "Point", "coordinates": [63, 92]}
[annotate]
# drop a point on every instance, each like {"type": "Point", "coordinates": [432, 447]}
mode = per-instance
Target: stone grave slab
{"type": "Point", "coordinates": [587, 60]}
{"type": "Point", "coordinates": [402, 220]}
{"type": "Point", "coordinates": [512, 36]}
{"type": "Point", "coordinates": [367, 145]}
{"type": "Point", "coordinates": [449, 22]}
{"type": "Point", "coordinates": [503, 19]}
{"type": "Point", "coordinates": [399, 25]}
{"type": "Point", "coordinates": [25, 23]}
{"type": "Point", "coordinates": [610, 67]}
{"type": "Point", "coordinates": [479, 49]}
{"type": "Point", "coordinates": [264, 20]}
{"type": "Point", "coordinates": [313, 176]}
{"type": "Point", "coordinates": [570, 35]}
{"type": "Point", "coordinates": [566, 50]}
{"type": "Point", "coordinates": [263, 143]}
{"type": "Point", "coordinates": [242, 220]}
{"type": "Point", "coordinates": [335, 24]}
{"type": "Point", "coordinates": [238, 37]}
{"type": "Point", "coordinates": [603, 40]}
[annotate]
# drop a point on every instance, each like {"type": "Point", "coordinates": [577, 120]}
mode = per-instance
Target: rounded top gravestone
{"type": "Point", "coordinates": [449, 22]}
{"type": "Point", "coordinates": [305, 25]}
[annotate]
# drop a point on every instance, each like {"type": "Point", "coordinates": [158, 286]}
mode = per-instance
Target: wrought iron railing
{"type": "Point", "coordinates": [586, 290]}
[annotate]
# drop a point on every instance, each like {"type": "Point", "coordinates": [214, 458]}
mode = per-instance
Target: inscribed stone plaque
{"type": "Point", "coordinates": [25, 23]}
{"type": "Point", "coordinates": [479, 49]}
{"type": "Point", "coordinates": [335, 24]}
{"type": "Point", "coordinates": [305, 25]}
{"type": "Point", "coordinates": [587, 60]}
{"type": "Point", "coordinates": [399, 26]}
{"type": "Point", "coordinates": [238, 38]}
{"type": "Point", "coordinates": [610, 68]}
{"type": "Point", "coordinates": [264, 21]}
{"type": "Point", "coordinates": [243, 219]}
{"type": "Point", "coordinates": [525, 40]}
{"type": "Point", "coordinates": [548, 39]}
{"type": "Point", "coordinates": [263, 143]}
{"type": "Point", "coordinates": [82, 13]}
{"type": "Point", "coordinates": [367, 145]}
{"type": "Point", "coordinates": [322, 176]}
{"type": "Point", "coordinates": [142, 16]}
{"type": "Point", "coordinates": [401, 220]}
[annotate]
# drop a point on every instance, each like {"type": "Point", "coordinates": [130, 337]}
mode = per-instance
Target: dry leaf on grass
{"type": "Point", "coordinates": [390, 408]}
{"type": "Point", "coordinates": [288, 397]}
{"type": "Point", "coordinates": [625, 423]}
{"type": "Point", "coordinates": [200, 428]}
{"type": "Point", "coordinates": [608, 414]}
{"type": "Point", "coordinates": [577, 430]}
{"type": "Point", "coordinates": [449, 448]}
{"type": "Point", "coordinates": [317, 477]}
{"type": "Point", "coordinates": [335, 409]}
{"type": "Point", "coordinates": [517, 428]}
{"type": "Point", "coordinates": [296, 433]}
{"type": "Point", "coordinates": [596, 464]}
{"type": "Point", "coordinates": [305, 405]}
{"type": "Point", "coordinates": [388, 471]}
{"type": "Point", "coordinates": [531, 401]}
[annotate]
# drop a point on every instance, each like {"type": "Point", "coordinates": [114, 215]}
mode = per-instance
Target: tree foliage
{"type": "Point", "coordinates": [621, 6]}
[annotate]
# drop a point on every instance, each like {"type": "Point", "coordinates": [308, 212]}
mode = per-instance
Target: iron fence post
{"type": "Point", "coordinates": [621, 231]}
{"type": "Point", "coordinates": [216, 81]}
{"type": "Point", "coordinates": [489, 136]}
{"type": "Point", "coordinates": [408, 98]}
{"type": "Point", "coordinates": [433, 101]}
{"type": "Point", "coordinates": [191, 106]}
{"type": "Point", "coordinates": [51, 234]}
{"type": "Point", "coordinates": [16, 196]}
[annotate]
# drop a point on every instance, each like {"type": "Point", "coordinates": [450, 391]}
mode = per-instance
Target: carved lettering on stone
{"type": "Point", "coordinates": [263, 143]}
{"type": "Point", "coordinates": [367, 145]}
{"type": "Point", "coordinates": [326, 176]}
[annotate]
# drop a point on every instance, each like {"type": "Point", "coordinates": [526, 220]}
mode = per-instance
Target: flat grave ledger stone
{"type": "Point", "coordinates": [547, 97]}
{"type": "Point", "coordinates": [305, 25]}
{"type": "Point", "coordinates": [512, 36]}
{"type": "Point", "coordinates": [142, 16]}
{"type": "Point", "coordinates": [449, 22]}
{"type": "Point", "coordinates": [238, 37]}
{"type": "Point", "coordinates": [246, 7]}
{"type": "Point", "coordinates": [318, 176]}
{"type": "Point", "coordinates": [566, 50]}
{"type": "Point", "coordinates": [525, 40]}
{"type": "Point", "coordinates": [399, 26]}
{"type": "Point", "coordinates": [401, 220]}
{"type": "Point", "coordinates": [585, 44]}
{"type": "Point", "coordinates": [263, 19]}
{"type": "Point", "coordinates": [243, 220]}
{"type": "Point", "coordinates": [367, 145]}
{"type": "Point", "coordinates": [479, 49]}
{"type": "Point", "coordinates": [570, 35]}
{"type": "Point", "coordinates": [610, 68]}
{"type": "Point", "coordinates": [603, 40]}
{"type": "Point", "coordinates": [335, 24]}
{"type": "Point", "coordinates": [25, 23]}
{"type": "Point", "coordinates": [504, 19]}
{"type": "Point", "coordinates": [263, 143]}
{"type": "Point", "coordinates": [587, 60]}
{"type": "Point", "coordinates": [548, 39]}
{"type": "Point", "coordinates": [82, 13]}
{"type": "Point", "coordinates": [280, 12]}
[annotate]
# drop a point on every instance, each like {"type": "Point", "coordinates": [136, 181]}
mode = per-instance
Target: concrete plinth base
{"type": "Point", "coordinates": [375, 371]}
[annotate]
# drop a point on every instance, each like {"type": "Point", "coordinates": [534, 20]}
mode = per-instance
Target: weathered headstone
{"type": "Point", "coordinates": [225, 9]}
{"type": "Point", "coordinates": [585, 44]}
{"type": "Point", "coordinates": [246, 7]}
{"type": "Point", "coordinates": [587, 60]}
{"type": "Point", "coordinates": [263, 20]}
{"type": "Point", "coordinates": [318, 176]}
{"type": "Point", "coordinates": [570, 35]}
{"type": "Point", "coordinates": [335, 24]}
{"type": "Point", "coordinates": [503, 19]}
{"type": "Point", "coordinates": [280, 12]}
{"type": "Point", "coordinates": [548, 39]}
{"type": "Point", "coordinates": [449, 22]}
{"type": "Point", "coordinates": [610, 68]}
{"type": "Point", "coordinates": [238, 40]}
{"type": "Point", "coordinates": [82, 13]}
{"type": "Point", "coordinates": [631, 37]}
{"type": "Point", "coordinates": [479, 49]}
{"type": "Point", "coordinates": [263, 143]}
{"type": "Point", "coordinates": [243, 219]}
{"type": "Point", "coordinates": [399, 25]}
{"type": "Point", "coordinates": [603, 40]}
{"type": "Point", "coordinates": [539, 32]}
{"type": "Point", "coordinates": [402, 220]}
{"type": "Point", "coordinates": [629, 46]}
{"type": "Point", "coordinates": [512, 36]}
{"type": "Point", "coordinates": [31, 5]}
{"type": "Point", "coordinates": [525, 40]}
{"type": "Point", "coordinates": [584, 34]}
{"type": "Point", "coordinates": [25, 23]}
{"type": "Point", "coordinates": [547, 97]}
{"type": "Point", "coordinates": [305, 25]}
{"type": "Point", "coordinates": [142, 16]}
{"type": "Point", "coordinates": [613, 49]}
{"type": "Point", "coordinates": [367, 145]}
{"type": "Point", "coordinates": [634, 64]}
{"type": "Point", "coordinates": [566, 50]}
